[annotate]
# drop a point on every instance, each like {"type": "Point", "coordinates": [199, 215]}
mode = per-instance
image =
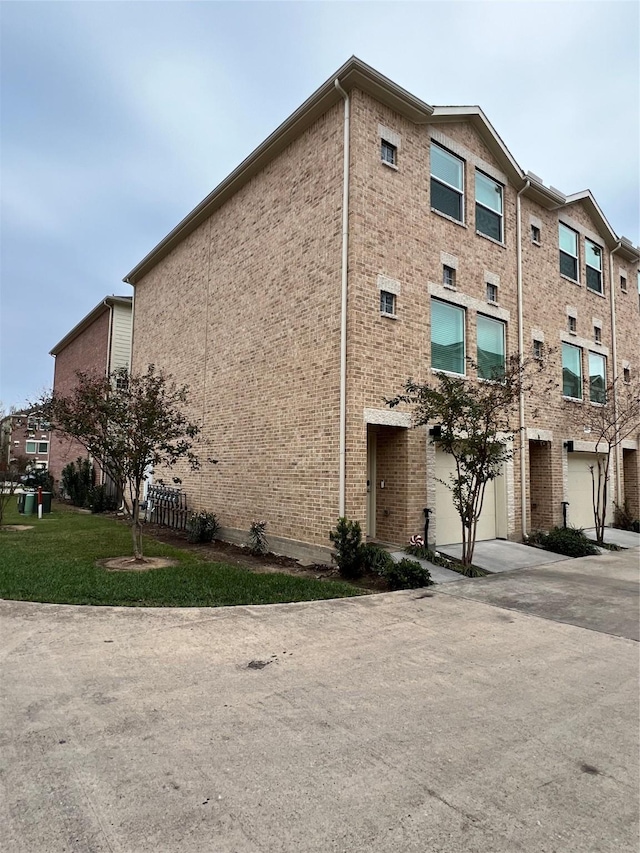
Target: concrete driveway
{"type": "Point", "coordinates": [416, 721]}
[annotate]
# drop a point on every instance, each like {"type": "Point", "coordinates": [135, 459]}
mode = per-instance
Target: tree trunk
{"type": "Point", "coordinates": [136, 531]}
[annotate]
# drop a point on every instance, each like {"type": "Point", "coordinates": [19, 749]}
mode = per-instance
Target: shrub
{"type": "Point", "coordinates": [623, 517]}
{"type": "Point", "coordinates": [407, 574]}
{"type": "Point", "coordinates": [258, 542]}
{"type": "Point", "coordinates": [375, 559]}
{"type": "Point", "coordinates": [202, 527]}
{"type": "Point", "coordinates": [77, 480]}
{"type": "Point", "coordinates": [570, 541]}
{"type": "Point", "coordinates": [347, 538]}
{"type": "Point", "coordinates": [101, 501]}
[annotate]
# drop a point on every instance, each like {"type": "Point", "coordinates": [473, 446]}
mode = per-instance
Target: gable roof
{"type": "Point", "coordinates": [354, 74]}
{"type": "Point", "coordinates": [107, 303]}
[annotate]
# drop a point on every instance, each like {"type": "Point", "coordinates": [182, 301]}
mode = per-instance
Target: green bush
{"type": "Point", "coordinates": [623, 517]}
{"type": "Point", "coordinates": [347, 539]}
{"type": "Point", "coordinates": [258, 542]}
{"type": "Point", "coordinates": [101, 501]}
{"type": "Point", "coordinates": [202, 527]}
{"type": "Point", "coordinates": [407, 574]}
{"type": "Point", "coordinates": [570, 541]}
{"type": "Point", "coordinates": [78, 479]}
{"type": "Point", "coordinates": [375, 559]}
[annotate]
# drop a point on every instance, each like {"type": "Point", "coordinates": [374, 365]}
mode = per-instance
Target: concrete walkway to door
{"type": "Point", "coordinates": [500, 555]}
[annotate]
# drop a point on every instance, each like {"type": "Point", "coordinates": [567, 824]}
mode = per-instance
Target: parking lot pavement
{"type": "Point", "coordinates": [399, 723]}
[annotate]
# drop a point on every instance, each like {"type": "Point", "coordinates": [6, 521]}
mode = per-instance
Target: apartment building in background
{"type": "Point", "coordinates": [100, 343]}
{"type": "Point", "coordinates": [26, 434]}
{"type": "Point", "coordinates": [372, 238]}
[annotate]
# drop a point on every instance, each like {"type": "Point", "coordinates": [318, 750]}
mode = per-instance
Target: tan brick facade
{"type": "Point", "coordinates": [245, 309]}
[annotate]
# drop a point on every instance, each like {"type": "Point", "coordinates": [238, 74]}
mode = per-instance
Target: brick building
{"type": "Point", "coordinates": [26, 434]}
{"type": "Point", "coordinates": [371, 238]}
{"type": "Point", "coordinates": [100, 343]}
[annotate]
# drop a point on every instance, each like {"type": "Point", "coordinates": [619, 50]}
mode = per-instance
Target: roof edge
{"type": "Point", "coordinates": [107, 303]}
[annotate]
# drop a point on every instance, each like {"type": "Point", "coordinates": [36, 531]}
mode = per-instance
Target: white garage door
{"type": "Point", "coordinates": [579, 490]}
{"type": "Point", "coordinates": [448, 524]}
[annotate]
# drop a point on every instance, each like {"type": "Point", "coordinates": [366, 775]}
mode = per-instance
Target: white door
{"type": "Point", "coordinates": [579, 490]}
{"type": "Point", "coordinates": [448, 524]}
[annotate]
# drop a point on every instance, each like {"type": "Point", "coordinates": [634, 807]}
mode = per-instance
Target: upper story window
{"type": "Point", "coordinates": [447, 183]}
{"type": "Point", "coordinates": [568, 241]}
{"type": "Point", "coordinates": [571, 371]}
{"type": "Point", "coordinates": [387, 303]}
{"type": "Point", "coordinates": [448, 276]}
{"type": "Point", "coordinates": [535, 235]}
{"type": "Point", "coordinates": [491, 350]}
{"type": "Point", "coordinates": [388, 153]}
{"type": "Point", "coordinates": [597, 378]}
{"type": "Point", "coordinates": [488, 207]}
{"type": "Point", "coordinates": [447, 337]}
{"type": "Point", "coordinates": [623, 283]}
{"type": "Point", "coordinates": [593, 261]}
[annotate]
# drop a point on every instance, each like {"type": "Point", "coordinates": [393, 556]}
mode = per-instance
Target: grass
{"type": "Point", "coordinates": [55, 562]}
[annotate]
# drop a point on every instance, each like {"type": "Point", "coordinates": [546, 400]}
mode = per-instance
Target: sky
{"type": "Point", "coordinates": [117, 118]}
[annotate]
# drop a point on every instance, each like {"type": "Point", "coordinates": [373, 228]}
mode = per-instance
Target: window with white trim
{"type": "Point", "coordinates": [568, 242]}
{"type": "Point", "coordinates": [448, 276]}
{"type": "Point", "coordinates": [488, 207]}
{"type": "Point", "coordinates": [572, 324]}
{"type": "Point", "coordinates": [597, 378]}
{"type": "Point", "coordinates": [538, 349]}
{"type": "Point", "coordinates": [597, 334]}
{"type": "Point", "coordinates": [626, 374]}
{"type": "Point", "coordinates": [593, 262]}
{"type": "Point", "coordinates": [535, 235]}
{"type": "Point", "coordinates": [387, 303]}
{"type": "Point", "coordinates": [447, 337]}
{"type": "Point", "coordinates": [447, 183]}
{"type": "Point", "coordinates": [492, 292]}
{"type": "Point", "coordinates": [491, 348]}
{"type": "Point", "coordinates": [623, 283]}
{"type": "Point", "coordinates": [388, 153]}
{"type": "Point", "coordinates": [571, 371]}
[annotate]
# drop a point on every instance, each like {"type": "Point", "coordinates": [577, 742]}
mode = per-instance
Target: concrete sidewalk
{"type": "Point", "coordinates": [500, 555]}
{"type": "Point", "coordinates": [400, 723]}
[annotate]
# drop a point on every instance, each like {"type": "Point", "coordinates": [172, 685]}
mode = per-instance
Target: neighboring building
{"type": "Point", "coordinates": [309, 285]}
{"type": "Point", "coordinates": [26, 434]}
{"type": "Point", "coordinates": [100, 344]}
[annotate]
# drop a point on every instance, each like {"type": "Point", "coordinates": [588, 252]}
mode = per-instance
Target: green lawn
{"type": "Point", "coordinates": [55, 562]}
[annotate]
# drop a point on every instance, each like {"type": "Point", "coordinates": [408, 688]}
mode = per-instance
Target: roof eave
{"type": "Point", "coordinates": [354, 74]}
{"type": "Point", "coordinates": [107, 303]}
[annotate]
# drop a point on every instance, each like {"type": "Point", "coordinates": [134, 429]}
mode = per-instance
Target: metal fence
{"type": "Point", "coordinates": [167, 506]}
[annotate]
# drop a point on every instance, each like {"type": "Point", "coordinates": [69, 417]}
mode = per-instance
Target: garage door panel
{"type": "Point", "coordinates": [580, 490]}
{"type": "Point", "coordinates": [448, 524]}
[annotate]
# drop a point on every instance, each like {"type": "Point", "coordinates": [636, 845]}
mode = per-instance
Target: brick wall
{"type": "Point", "coordinates": [86, 352]}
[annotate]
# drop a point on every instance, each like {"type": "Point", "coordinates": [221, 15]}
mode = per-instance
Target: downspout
{"type": "Point", "coordinates": [614, 371]}
{"type": "Point", "coordinates": [343, 307]}
{"type": "Point", "coordinates": [109, 334]}
{"type": "Point", "coordinates": [523, 467]}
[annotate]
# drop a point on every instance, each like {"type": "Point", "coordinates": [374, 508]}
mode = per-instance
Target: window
{"type": "Point", "coordinates": [597, 378]}
{"type": "Point", "coordinates": [535, 234]}
{"type": "Point", "coordinates": [572, 325]}
{"type": "Point", "coordinates": [447, 183]}
{"type": "Point", "coordinates": [626, 374]}
{"type": "Point", "coordinates": [387, 303]}
{"type": "Point", "coordinates": [388, 153]}
{"type": "Point", "coordinates": [593, 261]}
{"type": "Point", "coordinates": [490, 348]}
{"type": "Point", "coordinates": [492, 292]}
{"type": "Point", "coordinates": [568, 240]}
{"type": "Point", "coordinates": [30, 447]}
{"type": "Point", "coordinates": [43, 447]}
{"type": "Point", "coordinates": [448, 276]}
{"type": "Point", "coordinates": [623, 283]}
{"type": "Point", "coordinates": [597, 334]}
{"type": "Point", "coordinates": [488, 207]}
{"type": "Point", "coordinates": [447, 337]}
{"type": "Point", "coordinates": [538, 349]}
{"type": "Point", "coordinates": [571, 371]}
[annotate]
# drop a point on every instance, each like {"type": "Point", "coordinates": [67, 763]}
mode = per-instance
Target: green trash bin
{"type": "Point", "coordinates": [46, 502]}
{"type": "Point", "coordinates": [30, 503]}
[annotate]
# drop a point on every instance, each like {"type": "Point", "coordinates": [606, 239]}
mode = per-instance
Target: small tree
{"type": "Point", "coordinates": [476, 429]}
{"type": "Point", "coordinates": [609, 423]}
{"type": "Point", "coordinates": [130, 424]}
{"type": "Point", "coordinates": [11, 471]}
